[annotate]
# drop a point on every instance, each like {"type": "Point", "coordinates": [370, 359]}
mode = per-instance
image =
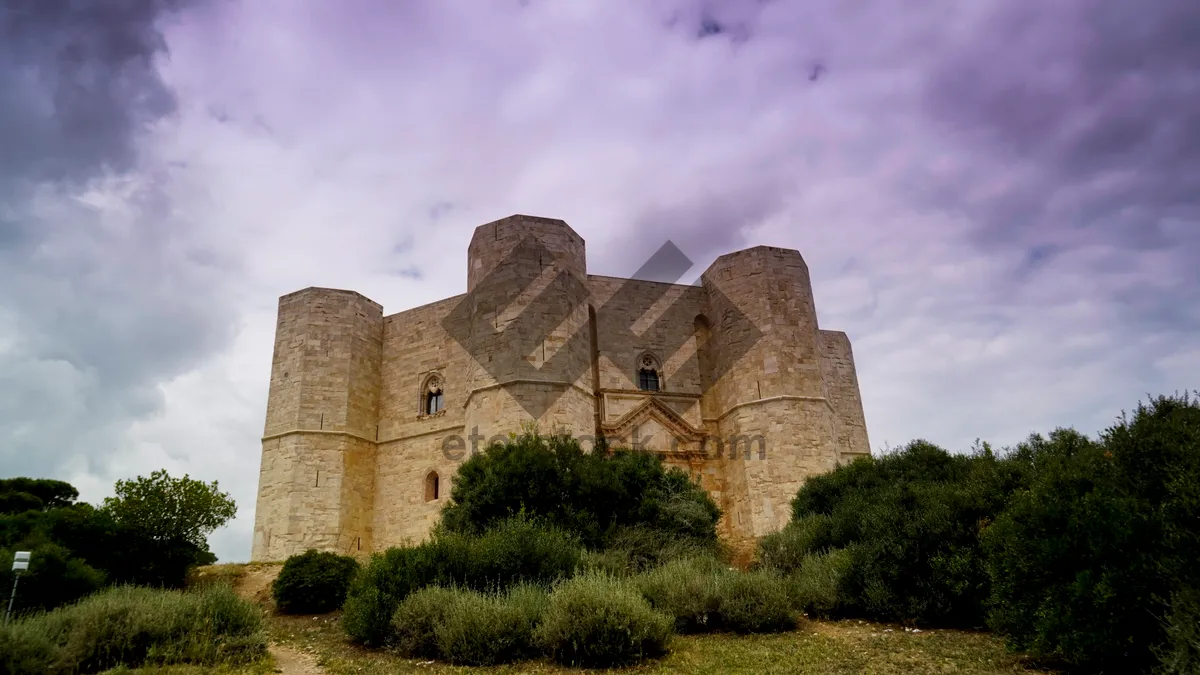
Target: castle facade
{"type": "Point", "coordinates": [369, 416]}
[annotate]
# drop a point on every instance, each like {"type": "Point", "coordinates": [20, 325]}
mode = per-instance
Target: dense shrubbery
{"type": "Point", "coordinates": [1077, 549]}
{"type": "Point", "coordinates": [595, 495]}
{"type": "Point", "coordinates": [595, 620]}
{"type": "Point", "coordinates": [78, 548]}
{"type": "Point", "coordinates": [313, 582]}
{"type": "Point", "coordinates": [470, 627]}
{"type": "Point", "coordinates": [910, 523]}
{"type": "Point", "coordinates": [1085, 563]}
{"type": "Point", "coordinates": [686, 590]}
{"type": "Point", "coordinates": [512, 551]}
{"type": "Point", "coordinates": [135, 627]}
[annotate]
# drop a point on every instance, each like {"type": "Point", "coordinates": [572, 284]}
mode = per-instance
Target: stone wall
{"type": "Point", "coordinates": [754, 396]}
{"type": "Point", "coordinates": [317, 473]}
{"type": "Point", "coordinates": [841, 381]}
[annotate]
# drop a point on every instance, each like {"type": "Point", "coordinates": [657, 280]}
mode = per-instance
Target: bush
{"type": "Point", "coordinates": [416, 621]}
{"type": "Point", "coordinates": [484, 629]}
{"type": "Point", "coordinates": [785, 551]}
{"type": "Point", "coordinates": [596, 621]}
{"type": "Point", "coordinates": [589, 494]}
{"type": "Point", "coordinates": [913, 521]}
{"type": "Point", "coordinates": [686, 590]}
{"type": "Point", "coordinates": [54, 578]}
{"type": "Point", "coordinates": [634, 549]}
{"type": "Point", "coordinates": [136, 627]}
{"type": "Point", "coordinates": [379, 588]}
{"type": "Point", "coordinates": [1180, 654]}
{"type": "Point", "coordinates": [313, 582]}
{"type": "Point", "coordinates": [516, 551]}
{"type": "Point", "coordinates": [1102, 541]}
{"type": "Point", "coordinates": [754, 602]}
{"type": "Point", "coordinates": [815, 587]}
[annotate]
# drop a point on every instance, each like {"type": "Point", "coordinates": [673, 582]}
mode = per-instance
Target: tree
{"type": "Point", "coordinates": [1095, 563]}
{"type": "Point", "coordinates": [593, 495]}
{"type": "Point", "coordinates": [18, 495]}
{"type": "Point", "coordinates": [169, 508]}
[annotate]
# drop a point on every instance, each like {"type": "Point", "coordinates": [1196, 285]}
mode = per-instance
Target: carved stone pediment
{"type": "Point", "coordinates": [656, 427]}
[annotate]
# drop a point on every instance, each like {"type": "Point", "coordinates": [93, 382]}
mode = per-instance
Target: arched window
{"type": "Point", "coordinates": [649, 373]}
{"type": "Point", "coordinates": [431, 487]}
{"type": "Point", "coordinates": [432, 399]}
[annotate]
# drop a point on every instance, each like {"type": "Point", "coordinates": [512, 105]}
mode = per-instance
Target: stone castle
{"type": "Point", "coordinates": [369, 416]}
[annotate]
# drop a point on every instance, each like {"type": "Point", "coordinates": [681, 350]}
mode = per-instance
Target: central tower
{"type": "Point", "coordinates": [529, 349]}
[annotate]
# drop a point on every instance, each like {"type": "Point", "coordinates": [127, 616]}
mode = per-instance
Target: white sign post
{"type": "Point", "coordinates": [20, 564]}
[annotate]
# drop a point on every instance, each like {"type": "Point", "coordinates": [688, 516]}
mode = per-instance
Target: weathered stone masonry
{"type": "Point", "coordinates": [369, 415]}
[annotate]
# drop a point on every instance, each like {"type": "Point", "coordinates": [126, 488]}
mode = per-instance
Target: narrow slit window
{"type": "Point", "coordinates": [431, 487]}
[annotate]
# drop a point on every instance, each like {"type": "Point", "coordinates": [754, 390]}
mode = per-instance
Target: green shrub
{"type": "Point", "coordinates": [1180, 654]}
{"type": "Point", "coordinates": [754, 602]}
{"type": "Point", "coordinates": [26, 649]}
{"type": "Point", "coordinates": [589, 494]}
{"type": "Point", "coordinates": [611, 562]}
{"type": "Point", "coordinates": [484, 629]}
{"type": "Point", "coordinates": [913, 519]}
{"type": "Point", "coordinates": [313, 582]}
{"type": "Point", "coordinates": [515, 551]}
{"type": "Point", "coordinates": [596, 621]}
{"type": "Point", "coordinates": [815, 586]}
{"type": "Point", "coordinates": [685, 590]}
{"type": "Point", "coordinates": [1101, 542]}
{"type": "Point", "coordinates": [785, 551]}
{"type": "Point", "coordinates": [416, 621]}
{"type": "Point", "coordinates": [137, 627]}
{"type": "Point", "coordinates": [634, 549]}
{"type": "Point", "coordinates": [379, 588]}
{"type": "Point", "coordinates": [519, 550]}
{"type": "Point", "coordinates": [54, 578]}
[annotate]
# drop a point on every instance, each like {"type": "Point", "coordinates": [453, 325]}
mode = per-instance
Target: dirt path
{"type": "Point", "coordinates": [292, 662]}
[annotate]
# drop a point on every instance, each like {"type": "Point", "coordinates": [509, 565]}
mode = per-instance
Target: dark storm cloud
{"type": "Point", "coordinates": [77, 82]}
{"type": "Point", "coordinates": [1094, 109]}
{"type": "Point", "coordinates": [1099, 98]}
{"type": "Point", "coordinates": [106, 294]}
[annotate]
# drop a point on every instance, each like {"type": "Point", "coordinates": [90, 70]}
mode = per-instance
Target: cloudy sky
{"type": "Point", "coordinates": [998, 200]}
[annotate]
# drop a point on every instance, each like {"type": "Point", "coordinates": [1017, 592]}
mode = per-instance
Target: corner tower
{"type": "Point", "coordinates": [318, 450]}
{"type": "Point", "coordinates": [769, 400]}
{"type": "Point", "coordinates": [530, 357]}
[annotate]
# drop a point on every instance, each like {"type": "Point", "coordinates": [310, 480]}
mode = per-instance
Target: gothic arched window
{"type": "Point", "coordinates": [649, 373]}
{"type": "Point", "coordinates": [432, 398]}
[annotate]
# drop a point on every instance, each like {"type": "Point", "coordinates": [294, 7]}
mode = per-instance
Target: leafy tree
{"type": "Point", "coordinates": [169, 508]}
{"type": "Point", "coordinates": [910, 524]}
{"type": "Point", "coordinates": [18, 495]}
{"type": "Point", "coordinates": [1086, 563]}
{"type": "Point", "coordinates": [592, 494]}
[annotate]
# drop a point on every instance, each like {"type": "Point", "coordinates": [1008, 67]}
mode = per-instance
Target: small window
{"type": "Point", "coordinates": [649, 373]}
{"type": "Point", "coordinates": [647, 380]}
{"type": "Point", "coordinates": [432, 399]}
{"type": "Point", "coordinates": [431, 487]}
{"type": "Point", "coordinates": [433, 402]}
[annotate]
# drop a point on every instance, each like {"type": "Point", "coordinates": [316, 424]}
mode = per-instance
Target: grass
{"type": "Point", "coordinates": [827, 647]}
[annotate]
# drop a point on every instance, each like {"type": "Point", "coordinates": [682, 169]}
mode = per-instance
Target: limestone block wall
{"type": "Point", "coordinates": [317, 472]}
{"type": "Point", "coordinates": [771, 408]}
{"type": "Point", "coordinates": [841, 381]}
{"type": "Point", "coordinates": [635, 317]}
{"type": "Point", "coordinates": [532, 355]}
{"type": "Point", "coordinates": [411, 443]}
{"type": "Point", "coordinates": [754, 397]}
